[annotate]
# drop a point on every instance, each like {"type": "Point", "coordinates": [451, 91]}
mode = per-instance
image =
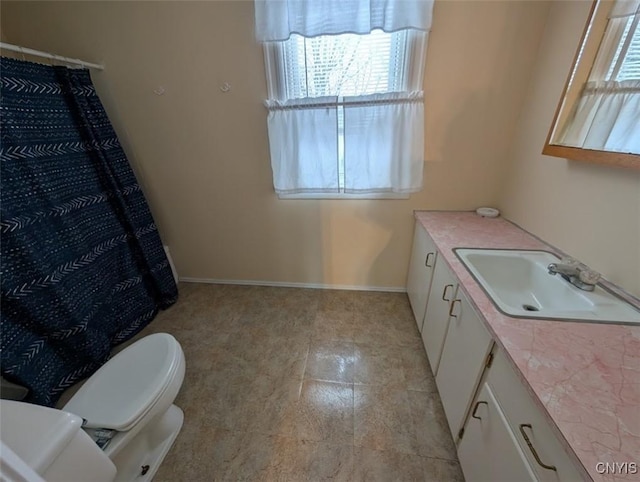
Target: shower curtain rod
{"type": "Point", "coordinates": [46, 55]}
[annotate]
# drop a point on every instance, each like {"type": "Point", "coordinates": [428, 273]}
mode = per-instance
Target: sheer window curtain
{"type": "Point", "coordinates": [303, 146]}
{"type": "Point", "coordinates": [607, 116]}
{"type": "Point", "coordinates": [343, 136]}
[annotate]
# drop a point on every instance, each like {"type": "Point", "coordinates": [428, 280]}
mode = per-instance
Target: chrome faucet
{"type": "Point", "coordinates": [576, 273]}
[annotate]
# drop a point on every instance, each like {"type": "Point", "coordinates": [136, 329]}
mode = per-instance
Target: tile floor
{"type": "Point", "coordinates": [295, 385]}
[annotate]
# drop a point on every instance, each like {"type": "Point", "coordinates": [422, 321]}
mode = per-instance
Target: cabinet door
{"type": "Point", "coordinates": [465, 350]}
{"type": "Point", "coordinates": [532, 430]}
{"type": "Point", "coordinates": [488, 451]}
{"type": "Point", "coordinates": [436, 319]}
{"type": "Point", "coordinates": [423, 260]}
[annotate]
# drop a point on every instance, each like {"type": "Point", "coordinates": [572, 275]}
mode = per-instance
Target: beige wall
{"type": "Point", "coordinates": [202, 155]}
{"type": "Point", "coordinates": [591, 212]}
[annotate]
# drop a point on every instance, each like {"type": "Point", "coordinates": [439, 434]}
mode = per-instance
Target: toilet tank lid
{"type": "Point", "coordinates": [36, 434]}
{"type": "Point", "coordinates": [123, 390]}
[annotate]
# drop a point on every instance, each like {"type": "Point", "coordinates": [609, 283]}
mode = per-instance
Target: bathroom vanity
{"type": "Point", "coordinates": [525, 398]}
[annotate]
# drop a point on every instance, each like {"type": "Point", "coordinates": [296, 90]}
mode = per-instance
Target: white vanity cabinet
{"type": "Point", "coordinates": [464, 356]}
{"type": "Point", "coordinates": [423, 260]}
{"type": "Point", "coordinates": [502, 431]}
{"type": "Point", "coordinates": [505, 420]}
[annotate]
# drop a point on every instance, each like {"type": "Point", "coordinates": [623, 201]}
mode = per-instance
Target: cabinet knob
{"type": "Point", "coordinates": [533, 450]}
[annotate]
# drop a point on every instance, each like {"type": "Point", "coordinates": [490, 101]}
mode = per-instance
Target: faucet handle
{"type": "Point", "coordinates": [569, 261]}
{"type": "Point", "coordinates": [588, 276]}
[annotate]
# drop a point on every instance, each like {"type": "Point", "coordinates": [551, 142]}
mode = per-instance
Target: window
{"type": "Point", "coordinates": [340, 66]}
{"type": "Point", "coordinates": [348, 64]}
{"type": "Point", "coordinates": [345, 109]}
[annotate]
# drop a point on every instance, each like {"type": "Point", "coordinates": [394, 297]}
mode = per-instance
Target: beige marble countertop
{"type": "Point", "coordinates": [584, 376]}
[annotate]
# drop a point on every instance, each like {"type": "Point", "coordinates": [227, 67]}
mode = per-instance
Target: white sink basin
{"type": "Point", "coordinates": [519, 285]}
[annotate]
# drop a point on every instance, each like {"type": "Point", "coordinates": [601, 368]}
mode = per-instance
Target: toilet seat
{"type": "Point", "coordinates": [127, 387]}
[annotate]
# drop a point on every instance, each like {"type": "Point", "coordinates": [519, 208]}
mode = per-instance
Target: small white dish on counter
{"type": "Point", "coordinates": [488, 212]}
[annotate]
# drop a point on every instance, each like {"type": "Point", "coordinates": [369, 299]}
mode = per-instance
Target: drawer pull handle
{"type": "Point", "coordinates": [533, 450]}
{"type": "Point", "coordinates": [444, 292]}
{"type": "Point", "coordinates": [426, 260]}
{"type": "Point", "coordinates": [453, 303]}
{"type": "Point", "coordinates": [475, 409]}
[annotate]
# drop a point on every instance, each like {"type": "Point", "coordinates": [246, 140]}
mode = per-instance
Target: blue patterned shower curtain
{"type": "Point", "coordinates": [83, 267]}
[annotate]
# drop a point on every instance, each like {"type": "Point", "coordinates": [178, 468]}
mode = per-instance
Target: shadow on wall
{"type": "Point", "coordinates": [469, 131]}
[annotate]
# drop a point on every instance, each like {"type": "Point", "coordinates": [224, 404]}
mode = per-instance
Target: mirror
{"type": "Point", "coordinates": [598, 116]}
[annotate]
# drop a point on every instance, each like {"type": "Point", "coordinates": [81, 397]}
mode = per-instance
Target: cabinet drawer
{"type": "Point", "coordinates": [527, 421]}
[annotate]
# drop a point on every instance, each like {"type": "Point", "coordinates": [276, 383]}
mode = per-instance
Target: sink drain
{"type": "Point", "coordinates": [527, 307]}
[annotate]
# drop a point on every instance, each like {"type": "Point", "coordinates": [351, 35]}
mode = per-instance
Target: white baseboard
{"type": "Point", "coordinates": [284, 284]}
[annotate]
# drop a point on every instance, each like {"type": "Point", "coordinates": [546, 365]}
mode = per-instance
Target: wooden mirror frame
{"type": "Point", "coordinates": [610, 158]}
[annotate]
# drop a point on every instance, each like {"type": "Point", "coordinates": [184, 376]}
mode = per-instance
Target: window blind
{"type": "Point", "coordinates": [344, 65]}
{"type": "Point", "coordinates": [626, 61]}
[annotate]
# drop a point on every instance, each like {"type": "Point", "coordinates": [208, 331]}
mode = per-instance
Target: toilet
{"type": "Point", "coordinates": [125, 410]}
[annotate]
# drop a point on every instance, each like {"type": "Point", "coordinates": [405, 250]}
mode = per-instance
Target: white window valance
{"type": "Point", "coordinates": [276, 20]}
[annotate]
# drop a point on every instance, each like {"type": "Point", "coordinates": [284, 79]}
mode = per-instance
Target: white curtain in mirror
{"type": "Point", "coordinates": [607, 118]}
{"type": "Point", "coordinates": [607, 115]}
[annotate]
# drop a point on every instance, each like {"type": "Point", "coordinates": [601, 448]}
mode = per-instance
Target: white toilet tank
{"type": "Point", "coordinates": [53, 443]}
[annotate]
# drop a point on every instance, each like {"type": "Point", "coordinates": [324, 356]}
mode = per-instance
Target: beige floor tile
{"type": "Point", "coordinates": [190, 458]}
{"type": "Point", "coordinates": [379, 365]}
{"type": "Point", "coordinates": [417, 373]}
{"type": "Point", "coordinates": [338, 300]}
{"type": "Point", "coordinates": [328, 462]}
{"type": "Point", "coordinates": [438, 470]}
{"type": "Point", "coordinates": [324, 413]}
{"type": "Point", "coordinates": [395, 305]}
{"type": "Point", "coordinates": [432, 429]}
{"type": "Point", "coordinates": [237, 455]}
{"type": "Point", "coordinates": [268, 406]}
{"type": "Point", "coordinates": [331, 361]}
{"type": "Point", "coordinates": [383, 419]}
{"type": "Point", "coordinates": [372, 330]}
{"type": "Point", "coordinates": [384, 466]}
{"type": "Point", "coordinates": [303, 460]}
{"type": "Point", "coordinates": [333, 326]}
{"type": "Point", "coordinates": [380, 329]}
{"type": "Point", "coordinates": [266, 355]}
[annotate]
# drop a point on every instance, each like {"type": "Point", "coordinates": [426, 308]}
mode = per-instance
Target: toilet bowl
{"type": "Point", "coordinates": [127, 407]}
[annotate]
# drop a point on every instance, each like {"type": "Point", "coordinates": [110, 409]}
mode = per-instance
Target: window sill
{"type": "Point", "coordinates": [343, 196]}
